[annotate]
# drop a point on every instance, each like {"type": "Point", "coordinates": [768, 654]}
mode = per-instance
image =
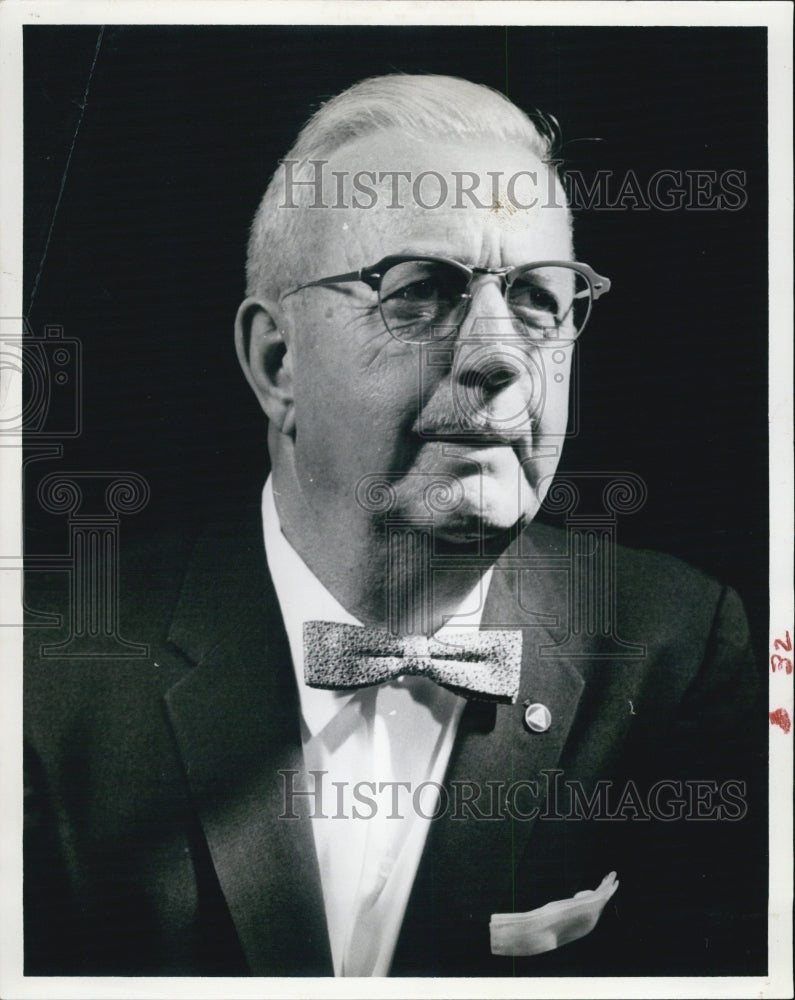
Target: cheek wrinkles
{"type": "Point", "coordinates": [377, 348]}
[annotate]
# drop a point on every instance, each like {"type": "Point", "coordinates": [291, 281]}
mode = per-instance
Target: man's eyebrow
{"type": "Point", "coordinates": [430, 252]}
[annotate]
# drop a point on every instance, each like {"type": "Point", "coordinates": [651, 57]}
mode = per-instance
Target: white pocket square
{"type": "Point", "coordinates": [552, 925]}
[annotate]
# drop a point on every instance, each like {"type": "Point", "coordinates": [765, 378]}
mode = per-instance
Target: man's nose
{"type": "Point", "coordinates": [491, 353]}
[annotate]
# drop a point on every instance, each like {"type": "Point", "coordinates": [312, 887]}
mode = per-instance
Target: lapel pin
{"type": "Point", "coordinates": [537, 717]}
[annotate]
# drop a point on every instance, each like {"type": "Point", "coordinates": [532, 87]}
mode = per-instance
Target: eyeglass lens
{"type": "Point", "coordinates": [421, 300]}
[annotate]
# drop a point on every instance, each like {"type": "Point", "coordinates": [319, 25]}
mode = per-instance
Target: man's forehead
{"type": "Point", "coordinates": [434, 174]}
{"type": "Point", "coordinates": [473, 201]}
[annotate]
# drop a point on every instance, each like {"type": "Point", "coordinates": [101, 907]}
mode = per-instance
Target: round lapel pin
{"type": "Point", "coordinates": [537, 718]}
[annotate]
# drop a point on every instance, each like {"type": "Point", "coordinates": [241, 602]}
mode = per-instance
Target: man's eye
{"type": "Point", "coordinates": [534, 297]}
{"type": "Point", "coordinates": [410, 284]}
{"type": "Point", "coordinates": [417, 291]}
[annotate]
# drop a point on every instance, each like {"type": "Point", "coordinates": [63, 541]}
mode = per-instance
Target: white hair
{"type": "Point", "coordinates": [422, 107]}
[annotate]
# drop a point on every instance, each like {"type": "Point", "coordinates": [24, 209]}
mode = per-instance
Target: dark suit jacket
{"type": "Point", "coordinates": [153, 838]}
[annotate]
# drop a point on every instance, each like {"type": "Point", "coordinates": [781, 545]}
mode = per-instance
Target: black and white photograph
{"type": "Point", "coordinates": [404, 500]}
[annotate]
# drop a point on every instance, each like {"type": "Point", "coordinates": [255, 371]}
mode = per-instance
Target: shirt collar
{"type": "Point", "coordinates": [302, 597]}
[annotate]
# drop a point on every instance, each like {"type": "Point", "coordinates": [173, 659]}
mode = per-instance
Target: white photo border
{"type": "Point", "coordinates": [14, 14]}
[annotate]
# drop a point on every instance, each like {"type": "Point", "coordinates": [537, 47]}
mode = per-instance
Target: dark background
{"type": "Point", "coordinates": [182, 127]}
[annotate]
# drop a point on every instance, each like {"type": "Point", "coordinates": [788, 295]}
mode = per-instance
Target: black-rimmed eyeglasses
{"type": "Point", "coordinates": [424, 298]}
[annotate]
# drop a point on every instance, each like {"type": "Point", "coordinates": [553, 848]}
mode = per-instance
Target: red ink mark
{"type": "Point", "coordinates": [780, 718]}
{"type": "Point", "coordinates": [780, 663]}
{"type": "Point", "coordinates": [785, 644]}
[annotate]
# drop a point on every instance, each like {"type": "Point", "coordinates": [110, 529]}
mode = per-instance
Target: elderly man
{"type": "Point", "coordinates": [373, 736]}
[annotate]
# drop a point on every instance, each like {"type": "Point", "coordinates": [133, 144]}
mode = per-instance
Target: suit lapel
{"type": "Point", "coordinates": [469, 864]}
{"type": "Point", "coordinates": [235, 718]}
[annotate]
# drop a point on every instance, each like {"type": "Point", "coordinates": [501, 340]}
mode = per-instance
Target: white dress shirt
{"type": "Point", "coordinates": [369, 832]}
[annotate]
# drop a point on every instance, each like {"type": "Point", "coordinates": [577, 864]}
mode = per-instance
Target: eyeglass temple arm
{"type": "Point", "coordinates": [370, 278]}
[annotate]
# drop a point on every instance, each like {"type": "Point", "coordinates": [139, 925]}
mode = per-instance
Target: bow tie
{"type": "Point", "coordinates": [485, 665]}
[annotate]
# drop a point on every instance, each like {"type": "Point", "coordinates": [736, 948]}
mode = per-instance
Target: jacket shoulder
{"type": "Point", "coordinates": [678, 616]}
{"type": "Point", "coordinates": [641, 573]}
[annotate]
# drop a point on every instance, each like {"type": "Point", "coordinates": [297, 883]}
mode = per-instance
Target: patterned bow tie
{"type": "Point", "coordinates": [485, 665]}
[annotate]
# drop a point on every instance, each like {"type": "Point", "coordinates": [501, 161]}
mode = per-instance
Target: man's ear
{"type": "Point", "coordinates": [266, 359]}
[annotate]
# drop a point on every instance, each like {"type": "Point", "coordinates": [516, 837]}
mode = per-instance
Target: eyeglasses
{"type": "Point", "coordinates": [424, 298]}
